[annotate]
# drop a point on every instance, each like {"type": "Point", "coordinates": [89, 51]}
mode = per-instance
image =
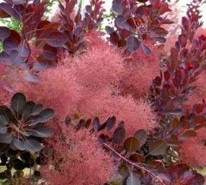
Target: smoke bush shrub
{"type": "Point", "coordinates": [139, 86]}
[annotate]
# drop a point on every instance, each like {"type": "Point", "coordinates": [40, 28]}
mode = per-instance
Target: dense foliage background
{"type": "Point", "coordinates": [88, 104]}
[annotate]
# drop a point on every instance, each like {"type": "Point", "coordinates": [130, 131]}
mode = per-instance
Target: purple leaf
{"type": "Point", "coordinates": [4, 33]}
{"type": "Point", "coordinates": [132, 44]}
{"type": "Point", "coordinates": [56, 39]}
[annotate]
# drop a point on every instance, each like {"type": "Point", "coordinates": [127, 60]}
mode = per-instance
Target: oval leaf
{"type": "Point", "coordinates": [111, 122]}
{"type": "Point", "coordinates": [17, 102]}
{"type": "Point", "coordinates": [43, 116]}
{"type": "Point", "coordinates": [132, 44]}
{"type": "Point", "coordinates": [41, 131]}
{"type": "Point", "coordinates": [3, 129]}
{"type": "Point", "coordinates": [119, 135]}
{"type": "Point", "coordinates": [27, 109]}
{"type": "Point", "coordinates": [31, 77]}
{"type": "Point", "coordinates": [4, 33]}
{"type": "Point", "coordinates": [96, 124]}
{"type": "Point", "coordinates": [131, 144]}
{"type": "Point", "coordinates": [159, 147]}
{"type": "Point", "coordinates": [37, 109]}
{"type": "Point", "coordinates": [6, 138]}
{"type": "Point", "coordinates": [188, 134]}
{"type": "Point", "coordinates": [18, 144]}
{"type": "Point", "coordinates": [3, 120]}
{"type": "Point", "coordinates": [32, 145]}
{"type": "Point", "coordinates": [141, 135]}
{"type": "Point", "coordinates": [56, 39]}
{"type": "Point", "coordinates": [137, 158]}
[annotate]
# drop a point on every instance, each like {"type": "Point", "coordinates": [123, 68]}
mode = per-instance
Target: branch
{"type": "Point", "coordinates": [134, 164]}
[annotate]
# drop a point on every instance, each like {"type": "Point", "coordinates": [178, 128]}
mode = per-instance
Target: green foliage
{"type": "Point", "coordinates": [1, 47]}
{"type": "Point", "coordinates": [50, 8]}
{"type": "Point", "coordinates": [12, 24]}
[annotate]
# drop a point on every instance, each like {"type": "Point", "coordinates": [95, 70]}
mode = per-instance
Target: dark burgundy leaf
{"type": "Point", "coordinates": [56, 39]}
{"type": "Point", "coordinates": [131, 144]}
{"type": "Point", "coordinates": [117, 7]}
{"type": "Point", "coordinates": [88, 8]}
{"type": "Point", "coordinates": [109, 30]}
{"type": "Point", "coordinates": [111, 122]}
{"type": "Point", "coordinates": [145, 49]}
{"type": "Point", "coordinates": [132, 44]}
{"type": "Point", "coordinates": [17, 102]}
{"type": "Point", "coordinates": [188, 134]}
{"type": "Point", "coordinates": [16, 2]}
{"type": "Point", "coordinates": [137, 158]}
{"type": "Point", "coordinates": [158, 32]}
{"type": "Point", "coordinates": [4, 58]}
{"type": "Point", "coordinates": [32, 145]}
{"type": "Point", "coordinates": [182, 39]}
{"type": "Point", "coordinates": [198, 108]}
{"type": "Point", "coordinates": [7, 11]}
{"type": "Point", "coordinates": [14, 36]}
{"type": "Point", "coordinates": [166, 75]}
{"type": "Point", "coordinates": [9, 45]}
{"type": "Point", "coordinates": [158, 147]}
{"type": "Point", "coordinates": [121, 23]}
{"type": "Point", "coordinates": [141, 135]}
{"type": "Point", "coordinates": [44, 116]}
{"type": "Point", "coordinates": [185, 24]}
{"type": "Point", "coordinates": [118, 135]}
{"type": "Point", "coordinates": [96, 124]}
{"type": "Point", "coordinates": [4, 33]}
{"type": "Point", "coordinates": [49, 52]}
{"type": "Point", "coordinates": [41, 131]}
{"type": "Point", "coordinates": [6, 138]}
{"type": "Point", "coordinates": [175, 124]}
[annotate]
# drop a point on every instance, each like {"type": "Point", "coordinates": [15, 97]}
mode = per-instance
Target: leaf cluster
{"type": "Point", "coordinates": [141, 159]}
{"type": "Point", "coordinates": [22, 132]}
{"type": "Point", "coordinates": [137, 22]}
{"type": "Point", "coordinates": [172, 88]}
{"type": "Point", "coordinates": [66, 33]}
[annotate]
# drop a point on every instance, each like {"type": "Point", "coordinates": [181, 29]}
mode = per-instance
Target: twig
{"type": "Point", "coordinates": [134, 164]}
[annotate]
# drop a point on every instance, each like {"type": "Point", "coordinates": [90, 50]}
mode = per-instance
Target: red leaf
{"type": "Point", "coordinates": [182, 39]}
{"type": "Point", "coordinates": [158, 32]}
{"type": "Point", "coordinates": [166, 75]}
{"type": "Point", "coordinates": [188, 134]}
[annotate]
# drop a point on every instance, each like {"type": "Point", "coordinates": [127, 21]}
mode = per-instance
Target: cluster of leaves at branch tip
{"type": "Point", "coordinates": [132, 30]}
{"type": "Point", "coordinates": [22, 124]}
{"type": "Point", "coordinates": [48, 36]}
{"type": "Point", "coordinates": [136, 151]}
